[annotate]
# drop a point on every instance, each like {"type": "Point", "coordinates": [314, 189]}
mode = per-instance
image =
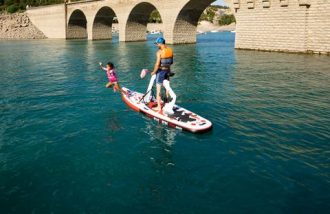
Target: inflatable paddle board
{"type": "Point", "coordinates": [182, 119]}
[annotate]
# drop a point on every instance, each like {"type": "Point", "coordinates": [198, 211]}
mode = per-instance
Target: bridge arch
{"type": "Point", "coordinates": [77, 25]}
{"type": "Point", "coordinates": [185, 26]}
{"type": "Point", "coordinates": [102, 24]}
{"type": "Point", "coordinates": [136, 25]}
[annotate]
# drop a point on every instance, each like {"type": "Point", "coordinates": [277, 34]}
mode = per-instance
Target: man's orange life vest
{"type": "Point", "coordinates": [166, 58]}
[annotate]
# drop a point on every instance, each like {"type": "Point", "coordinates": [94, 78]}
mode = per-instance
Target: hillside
{"type": "Point", "coordinates": [18, 26]}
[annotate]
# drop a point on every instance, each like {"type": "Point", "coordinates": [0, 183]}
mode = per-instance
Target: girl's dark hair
{"type": "Point", "coordinates": [110, 64]}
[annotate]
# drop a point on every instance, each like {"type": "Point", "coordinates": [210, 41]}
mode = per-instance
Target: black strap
{"type": "Point", "coordinates": [150, 91]}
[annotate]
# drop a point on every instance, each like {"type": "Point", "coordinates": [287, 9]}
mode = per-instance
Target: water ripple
{"type": "Point", "coordinates": [64, 137]}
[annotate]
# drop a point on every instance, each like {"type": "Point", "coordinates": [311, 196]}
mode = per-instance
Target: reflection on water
{"type": "Point", "coordinates": [157, 132]}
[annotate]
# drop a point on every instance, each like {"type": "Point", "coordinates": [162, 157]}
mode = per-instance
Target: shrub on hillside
{"type": "Point", "coordinates": [155, 17]}
{"type": "Point", "coordinates": [2, 8]}
{"type": "Point", "coordinates": [208, 14]}
{"type": "Point", "coordinates": [13, 8]}
{"type": "Point", "coordinates": [227, 19]}
{"type": "Point", "coordinates": [22, 6]}
{"type": "Point", "coordinates": [9, 2]}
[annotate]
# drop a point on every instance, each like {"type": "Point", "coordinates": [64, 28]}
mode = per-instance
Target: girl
{"type": "Point", "coordinates": [112, 76]}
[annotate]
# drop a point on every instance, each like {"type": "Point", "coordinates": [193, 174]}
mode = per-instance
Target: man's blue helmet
{"type": "Point", "coordinates": [160, 40]}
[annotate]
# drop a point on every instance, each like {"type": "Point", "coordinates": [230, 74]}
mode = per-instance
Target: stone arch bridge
{"type": "Point", "coordinates": [93, 19]}
{"type": "Point", "coordinates": [276, 25]}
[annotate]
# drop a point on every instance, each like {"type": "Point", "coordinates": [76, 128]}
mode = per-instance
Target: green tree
{"type": "Point", "coordinates": [155, 17]}
{"type": "Point", "coordinates": [227, 19]}
{"type": "Point", "coordinates": [21, 4]}
{"type": "Point", "coordinates": [208, 14]}
{"type": "Point", "coordinates": [13, 8]}
{"type": "Point", "coordinates": [9, 2]}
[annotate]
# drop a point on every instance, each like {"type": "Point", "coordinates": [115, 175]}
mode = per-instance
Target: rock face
{"type": "Point", "coordinates": [205, 26]}
{"type": "Point", "coordinates": [18, 26]}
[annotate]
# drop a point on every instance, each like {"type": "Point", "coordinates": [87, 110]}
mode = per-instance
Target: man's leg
{"type": "Point", "coordinates": [159, 107]}
{"type": "Point", "coordinates": [149, 89]}
{"type": "Point", "coordinates": [169, 106]}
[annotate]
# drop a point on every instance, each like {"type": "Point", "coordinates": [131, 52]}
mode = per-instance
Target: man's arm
{"type": "Point", "coordinates": [156, 67]}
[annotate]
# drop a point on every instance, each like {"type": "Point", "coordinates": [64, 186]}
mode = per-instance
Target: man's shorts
{"type": "Point", "coordinates": [161, 76]}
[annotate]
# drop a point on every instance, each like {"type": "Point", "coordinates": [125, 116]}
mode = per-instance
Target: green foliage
{"type": "Point", "coordinates": [22, 6]}
{"type": "Point", "coordinates": [219, 7]}
{"type": "Point", "coordinates": [13, 8]}
{"type": "Point", "coordinates": [12, 5]}
{"type": "Point", "coordinates": [208, 14]}
{"type": "Point", "coordinates": [227, 19]}
{"type": "Point", "coordinates": [155, 17]}
{"type": "Point", "coordinates": [9, 2]}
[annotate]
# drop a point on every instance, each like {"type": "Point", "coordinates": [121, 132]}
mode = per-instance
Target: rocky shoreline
{"type": "Point", "coordinates": [18, 26]}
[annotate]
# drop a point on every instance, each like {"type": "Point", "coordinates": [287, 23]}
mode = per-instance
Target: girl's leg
{"type": "Point", "coordinates": [108, 85]}
{"type": "Point", "coordinates": [118, 87]}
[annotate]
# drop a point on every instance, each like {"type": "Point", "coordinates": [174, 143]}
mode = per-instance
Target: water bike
{"type": "Point", "coordinates": [171, 114]}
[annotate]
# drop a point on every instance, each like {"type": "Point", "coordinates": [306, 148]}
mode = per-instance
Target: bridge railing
{"type": "Point", "coordinates": [55, 3]}
{"type": "Point", "coordinates": [80, 1]}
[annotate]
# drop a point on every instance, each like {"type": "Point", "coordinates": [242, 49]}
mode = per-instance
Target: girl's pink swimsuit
{"type": "Point", "coordinates": [111, 74]}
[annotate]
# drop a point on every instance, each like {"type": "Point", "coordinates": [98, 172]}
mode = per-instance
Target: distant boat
{"type": "Point", "coordinates": [214, 31]}
{"type": "Point", "coordinates": [233, 31]}
{"type": "Point", "coordinates": [155, 32]}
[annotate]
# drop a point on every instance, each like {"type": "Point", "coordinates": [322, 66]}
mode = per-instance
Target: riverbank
{"type": "Point", "coordinates": [18, 26]}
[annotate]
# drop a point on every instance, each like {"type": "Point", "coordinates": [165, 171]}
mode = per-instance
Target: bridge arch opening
{"type": "Point", "coordinates": [185, 26]}
{"type": "Point", "coordinates": [102, 25]}
{"type": "Point", "coordinates": [140, 16]}
{"type": "Point", "coordinates": [77, 25]}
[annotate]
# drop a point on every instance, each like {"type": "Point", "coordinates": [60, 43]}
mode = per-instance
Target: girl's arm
{"type": "Point", "coordinates": [103, 68]}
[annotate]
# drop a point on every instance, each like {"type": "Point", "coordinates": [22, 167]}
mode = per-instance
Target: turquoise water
{"type": "Point", "coordinates": [68, 145]}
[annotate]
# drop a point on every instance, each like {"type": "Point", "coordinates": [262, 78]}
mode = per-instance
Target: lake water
{"type": "Point", "coordinates": [69, 145]}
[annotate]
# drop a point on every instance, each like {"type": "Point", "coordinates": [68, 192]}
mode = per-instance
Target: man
{"type": "Point", "coordinates": [162, 70]}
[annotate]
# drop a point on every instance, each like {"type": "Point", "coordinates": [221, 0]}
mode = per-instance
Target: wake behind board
{"type": "Point", "coordinates": [182, 119]}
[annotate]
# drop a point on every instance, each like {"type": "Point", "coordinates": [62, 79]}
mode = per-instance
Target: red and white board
{"type": "Point", "coordinates": [182, 119]}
